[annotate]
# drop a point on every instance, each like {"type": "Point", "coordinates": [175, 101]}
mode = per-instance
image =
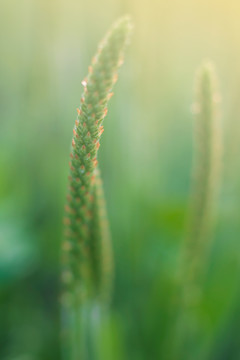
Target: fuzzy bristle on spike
{"type": "Point", "coordinates": [84, 82]}
{"type": "Point", "coordinates": [101, 131]}
{"type": "Point", "coordinates": [109, 95]}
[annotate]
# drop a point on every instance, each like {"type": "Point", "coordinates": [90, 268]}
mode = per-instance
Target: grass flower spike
{"type": "Point", "coordinates": [83, 246]}
{"type": "Point", "coordinates": [206, 167]}
{"type": "Point", "coordinates": [207, 140]}
{"type": "Point", "coordinates": [87, 258]}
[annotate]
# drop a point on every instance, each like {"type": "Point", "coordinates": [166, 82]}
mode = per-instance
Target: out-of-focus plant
{"type": "Point", "coordinates": [205, 185]}
{"type": "Point", "coordinates": [87, 258]}
{"type": "Point", "coordinates": [206, 169]}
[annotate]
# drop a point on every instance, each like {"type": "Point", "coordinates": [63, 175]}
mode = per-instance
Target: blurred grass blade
{"type": "Point", "coordinates": [100, 244]}
{"type": "Point", "coordinates": [206, 173]}
{"type": "Point", "coordinates": [207, 140]}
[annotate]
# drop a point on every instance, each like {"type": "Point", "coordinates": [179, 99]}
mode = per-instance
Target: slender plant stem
{"type": "Point", "coordinates": [205, 184]}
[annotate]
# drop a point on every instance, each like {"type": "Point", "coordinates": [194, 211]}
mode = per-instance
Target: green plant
{"type": "Point", "coordinates": [205, 184]}
{"type": "Point", "coordinates": [87, 258]}
{"type": "Point", "coordinates": [206, 166]}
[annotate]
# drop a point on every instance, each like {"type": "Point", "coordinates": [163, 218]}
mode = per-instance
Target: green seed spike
{"type": "Point", "coordinates": [205, 184]}
{"type": "Point", "coordinates": [87, 257]}
{"type": "Point", "coordinates": [206, 166]}
{"type": "Point", "coordinates": [83, 247]}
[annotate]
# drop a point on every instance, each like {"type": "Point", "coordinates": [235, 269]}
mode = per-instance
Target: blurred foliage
{"type": "Point", "coordinates": [46, 46]}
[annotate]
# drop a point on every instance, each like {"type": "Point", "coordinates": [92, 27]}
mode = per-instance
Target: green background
{"type": "Point", "coordinates": [145, 159]}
